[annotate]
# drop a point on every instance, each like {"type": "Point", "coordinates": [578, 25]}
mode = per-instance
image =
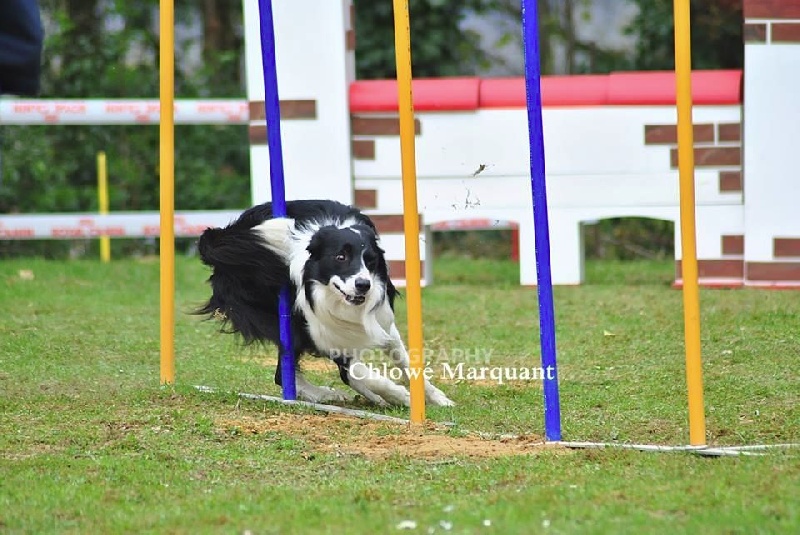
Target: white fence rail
{"type": "Point", "coordinates": [120, 111]}
{"type": "Point", "coordinates": [117, 225]}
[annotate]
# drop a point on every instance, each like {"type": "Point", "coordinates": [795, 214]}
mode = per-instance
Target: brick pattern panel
{"type": "Point", "coordinates": [364, 149]}
{"type": "Point", "coordinates": [785, 32]}
{"type": "Point", "coordinates": [730, 181]}
{"type": "Point", "coordinates": [389, 224]}
{"type": "Point", "coordinates": [729, 132]}
{"type": "Point", "coordinates": [711, 157]}
{"type": "Point", "coordinates": [755, 32]}
{"type": "Point", "coordinates": [378, 126]}
{"type": "Point", "coordinates": [715, 269]}
{"type": "Point", "coordinates": [366, 199]}
{"type": "Point", "coordinates": [667, 134]}
{"type": "Point", "coordinates": [290, 109]}
{"type": "Point", "coordinates": [733, 245]}
{"type": "Point", "coordinates": [786, 247]}
{"type": "Point", "coordinates": [715, 145]}
{"type": "Point", "coordinates": [773, 271]}
{"type": "Point", "coordinates": [257, 134]}
{"type": "Point", "coordinates": [772, 9]}
{"type": "Point", "coordinates": [397, 269]}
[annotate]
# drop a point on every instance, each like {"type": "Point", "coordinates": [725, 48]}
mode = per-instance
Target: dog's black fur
{"type": "Point", "coordinates": [341, 296]}
{"type": "Point", "coordinates": [248, 276]}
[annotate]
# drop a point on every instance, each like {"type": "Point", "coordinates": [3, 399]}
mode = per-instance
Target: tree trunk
{"type": "Point", "coordinates": [568, 26]}
{"type": "Point", "coordinates": [220, 36]}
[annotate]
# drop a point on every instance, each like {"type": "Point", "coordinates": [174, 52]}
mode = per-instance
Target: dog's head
{"type": "Point", "coordinates": [348, 263]}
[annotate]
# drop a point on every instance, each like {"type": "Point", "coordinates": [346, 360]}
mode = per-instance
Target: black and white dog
{"type": "Point", "coordinates": [342, 297]}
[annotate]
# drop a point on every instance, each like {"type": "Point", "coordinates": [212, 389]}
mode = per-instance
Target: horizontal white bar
{"type": "Point", "coordinates": [117, 225]}
{"type": "Point", "coordinates": [120, 111]}
{"type": "Point", "coordinates": [711, 451]}
{"type": "Point", "coordinates": [333, 409]}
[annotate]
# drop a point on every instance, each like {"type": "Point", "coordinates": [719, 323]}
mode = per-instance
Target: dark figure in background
{"type": "Point", "coordinates": [21, 39]}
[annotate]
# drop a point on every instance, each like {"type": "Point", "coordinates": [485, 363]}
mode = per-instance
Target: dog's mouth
{"type": "Point", "coordinates": [352, 299]}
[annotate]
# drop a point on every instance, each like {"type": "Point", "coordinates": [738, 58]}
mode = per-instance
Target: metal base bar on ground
{"type": "Point", "coordinates": [331, 409]}
{"type": "Point", "coordinates": [706, 451]}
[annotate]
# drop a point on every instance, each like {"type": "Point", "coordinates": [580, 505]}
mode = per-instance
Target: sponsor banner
{"type": "Point", "coordinates": [119, 225]}
{"type": "Point", "coordinates": [120, 111]}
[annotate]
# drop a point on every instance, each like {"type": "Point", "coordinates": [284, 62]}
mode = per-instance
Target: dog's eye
{"type": "Point", "coordinates": [341, 257]}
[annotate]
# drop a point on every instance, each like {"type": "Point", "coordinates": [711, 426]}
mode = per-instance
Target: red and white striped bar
{"type": "Point", "coordinates": [120, 112]}
{"type": "Point", "coordinates": [118, 225]}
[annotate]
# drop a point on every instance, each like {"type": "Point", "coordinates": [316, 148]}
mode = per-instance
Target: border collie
{"type": "Point", "coordinates": [342, 297]}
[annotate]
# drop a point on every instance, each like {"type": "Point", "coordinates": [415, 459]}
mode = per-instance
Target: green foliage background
{"type": "Point", "coordinates": [52, 168]}
{"type": "Point", "coordinates": [109, 49]}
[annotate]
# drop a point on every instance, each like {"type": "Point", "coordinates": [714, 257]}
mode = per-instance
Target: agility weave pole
{"type": "Point", "coordinates": [102, 203]}
{"type": "Point", "coordinates": [530, 34]}
{"type": "Point", "coordinates": [166, 134]}
{"type": "Point", "coordinates": [405, 108]}
{"type": "Point", "coordinates": [691, 292]}
{"type": "Point", "coordinates": [272, 111]}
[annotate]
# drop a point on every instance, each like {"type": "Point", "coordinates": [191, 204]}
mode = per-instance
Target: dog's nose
{"type": "Point", "coordinates": [362, 285]}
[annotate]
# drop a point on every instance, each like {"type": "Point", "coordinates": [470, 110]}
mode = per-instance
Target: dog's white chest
{"type": "Point", "coordinates": [346, 330]}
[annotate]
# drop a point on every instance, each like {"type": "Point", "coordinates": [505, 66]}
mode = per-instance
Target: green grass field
{"type": "Point", "coordinates": [90, 443]}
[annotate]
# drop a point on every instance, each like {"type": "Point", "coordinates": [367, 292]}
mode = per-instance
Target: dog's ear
{"type": "Point", "coordinates": [314, 245]}
{"type": "Point", "coordinates": [376, 243]}
{"type": "Point", "coordinates": [317, 242]}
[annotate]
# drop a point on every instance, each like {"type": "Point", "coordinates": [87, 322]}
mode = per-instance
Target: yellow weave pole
{"type": "Point", "coordinates": [402, 46]}
{"type": "Point", "coordinates": [102, 202]}
{"type": "Point", "coordinates": [167, 187]}
{"type": "Point", "coordinates": [691, 293]}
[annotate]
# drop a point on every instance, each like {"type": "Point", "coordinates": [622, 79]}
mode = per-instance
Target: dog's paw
{"type": "Point", "coordinates": [436, 397]}
{"type": "Point", "coordinates": [322, 394]}
{"type": "Point", "coordinates": [389, 393]}
{"type": "Point", "coordinates": [399, 397]}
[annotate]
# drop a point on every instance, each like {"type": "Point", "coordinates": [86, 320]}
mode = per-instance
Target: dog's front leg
{"type": "Point", "coordinates": [310, 392]}
{"type": "Point", "coordinates": [399, 355]}
{"type": "Point", "coordinates": [368, 381]}
{"type": "Point", "coordinates": [318, 394]}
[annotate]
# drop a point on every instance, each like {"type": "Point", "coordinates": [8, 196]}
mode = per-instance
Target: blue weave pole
{"type": "Point", "coordinates": [547, 325]}
{"type": "Point", "coordinates": [272, 111]}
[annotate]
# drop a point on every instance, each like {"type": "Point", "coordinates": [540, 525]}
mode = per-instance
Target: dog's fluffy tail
{"type": "Point", "coordinates": [235, 248]}
{"type": "Point", "coordinates": [247, 275]}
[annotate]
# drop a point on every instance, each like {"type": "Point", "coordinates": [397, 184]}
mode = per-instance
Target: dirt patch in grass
{"type": "Point", "coordinates": [31, 451]}
{"type": "Point", "coordinates": [306, 364]}
{"type": "Point", "coordinates": [351, 436]}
